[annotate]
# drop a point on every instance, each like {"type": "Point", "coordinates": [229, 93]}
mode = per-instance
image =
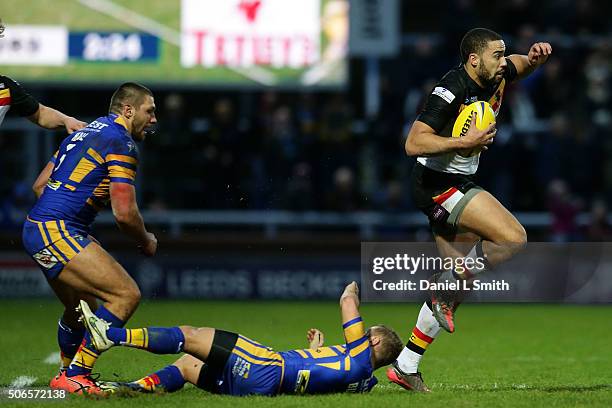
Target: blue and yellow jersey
{"type": "Point", "coordinates": [84, 166]}
{"type": "Point", "coordinates": [345, 368]}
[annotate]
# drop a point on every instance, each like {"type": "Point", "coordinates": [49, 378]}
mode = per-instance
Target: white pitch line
{"type": "Point", "coordinates": [168, 34]}
{"type": "Point", "coordinates": [53, 358]}
{"type": "Point", "coordinates": [22, 381]}
{"type": "Point", "coordinates": [134, 19]}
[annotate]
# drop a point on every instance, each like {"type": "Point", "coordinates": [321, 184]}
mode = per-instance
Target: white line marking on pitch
{"type": "Point", "coordinates": [22, 381]}
{"type": "Point", "coordinates": [53, 358]}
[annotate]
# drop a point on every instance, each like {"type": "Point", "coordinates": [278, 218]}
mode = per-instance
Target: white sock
{"type": "Point", "coordinates": [426, 330]}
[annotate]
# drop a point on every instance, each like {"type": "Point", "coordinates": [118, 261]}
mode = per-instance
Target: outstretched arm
{"type": "Point", "coordinates": [352, 324]}
{"type": "Point", "coordinates": [50, 118]}
{"type": "Point", "coordinates": [526, 64]}
{"type": "Point", "coordinates": [349, 302]}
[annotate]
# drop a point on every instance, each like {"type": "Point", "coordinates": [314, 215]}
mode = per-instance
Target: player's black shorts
{"type": "Point", "coordinates": [442, 196]}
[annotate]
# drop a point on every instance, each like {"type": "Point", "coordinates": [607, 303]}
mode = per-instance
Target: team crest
{"type": "Point", "coordinates": [45, 258]}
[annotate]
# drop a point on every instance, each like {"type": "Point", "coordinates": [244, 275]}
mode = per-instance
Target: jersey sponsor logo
{"type": "Point", "coordinates": [241, 368]}
{"type": "Point", "coordinates": [96, 126]}
{"type": "Point", "coordinates": [53, 184]}
{"type": "Point", "coordinates": [45, 258]}
{"type": "Point", "coordinates": [444, 93]}
{"type": "Point", "coordinates": [303, 377]}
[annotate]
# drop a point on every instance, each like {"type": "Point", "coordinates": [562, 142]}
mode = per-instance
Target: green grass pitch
{"type": "Point", "coordinates": [501, 355]}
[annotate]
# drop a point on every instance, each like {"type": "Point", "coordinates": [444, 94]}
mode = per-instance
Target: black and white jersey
{"type": "Point", "coordinates": [12, 95]}
{"type": "Point", "coordinates": [450, 96]}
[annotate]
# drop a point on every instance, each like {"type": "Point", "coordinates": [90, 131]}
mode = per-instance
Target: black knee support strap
{"type": "Point", "coordinates": [211, 371]}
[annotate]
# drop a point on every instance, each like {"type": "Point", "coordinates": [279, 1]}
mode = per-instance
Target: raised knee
{"type": "Point", "coordinates": [134, 296]}
{"type": "Point", "coordinates": [129, 297]}
{"type": "Point", "coordinates": [517, 237]}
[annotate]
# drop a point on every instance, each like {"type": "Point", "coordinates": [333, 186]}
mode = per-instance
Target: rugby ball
{"type": "Point", "coordinates": [484, 117]}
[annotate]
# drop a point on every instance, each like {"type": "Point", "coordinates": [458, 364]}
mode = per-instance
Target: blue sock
{"type": "Point", "coordinates": [104, 313]}
{"type": "Point", "coordinates": [168, 378]}
{"type": "Point", "coordinates": [158, 340]}
{"type": "Point", "coordinates": [87, 354]}
{"type": "Point", "coordinates": [69, 340]}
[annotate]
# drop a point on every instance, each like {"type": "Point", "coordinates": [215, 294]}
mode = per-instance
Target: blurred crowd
{"type": "Point", "coordinates": [319, 151]}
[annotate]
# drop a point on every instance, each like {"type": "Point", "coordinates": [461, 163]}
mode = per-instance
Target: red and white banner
{"type": "Point", "coordinates": [246, 33]}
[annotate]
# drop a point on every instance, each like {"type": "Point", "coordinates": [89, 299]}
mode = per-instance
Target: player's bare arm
{"type": "Point", "coordinates": [422, 140]}
{"type": "Point", "coordinates": [50, 118]}
{"type": "Point", "coordinates": [315, 338]}
{"type": "Point", "coordinates": [128, 218]}
{"type": "Point", "coordinates": [41, 180]}
{"type": "Point", "coordinates": [349, 302]}
{"type": "Point", "coordinates": [526, 64]}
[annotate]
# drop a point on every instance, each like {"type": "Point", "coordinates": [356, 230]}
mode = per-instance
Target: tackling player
{"type": "Point", "coordinates": [228, 363]}
{"type": "Point", "coordinates": [92, 167]}
{"type": "Point", "coordinates": [12, 95]}
{"type": "Point", "coordinates": [443, 186]}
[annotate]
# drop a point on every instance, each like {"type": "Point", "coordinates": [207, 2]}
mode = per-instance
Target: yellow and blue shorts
{"type": "Point", "coordinates": [240, 366]}
{"type": "Point", "coordinates": [52, 244]}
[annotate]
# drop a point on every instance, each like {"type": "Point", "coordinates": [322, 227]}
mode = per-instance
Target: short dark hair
{"type": "Point", "coordinates": [129, 93]}
{"type": "Point", "coordinates": [390, 344]}
{"type": "Point", "coordinates": [475, 41]}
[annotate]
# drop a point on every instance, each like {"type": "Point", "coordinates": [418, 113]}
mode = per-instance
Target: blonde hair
{"type": "Point", "coordinates": [390, 345]}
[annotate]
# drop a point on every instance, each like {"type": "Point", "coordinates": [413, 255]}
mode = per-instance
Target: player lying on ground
{"type": "Point", "coordinates": [228, 363]}
{"type": "Point", "coordinates": [467, 222]}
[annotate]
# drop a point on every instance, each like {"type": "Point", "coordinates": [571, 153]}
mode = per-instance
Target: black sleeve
{"type": "Point", "coordinates": [510, 74]}
{"type": "Point", "coordinates": [443, 103]}
{"type": "Point", "coordinates": [22, 102]}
